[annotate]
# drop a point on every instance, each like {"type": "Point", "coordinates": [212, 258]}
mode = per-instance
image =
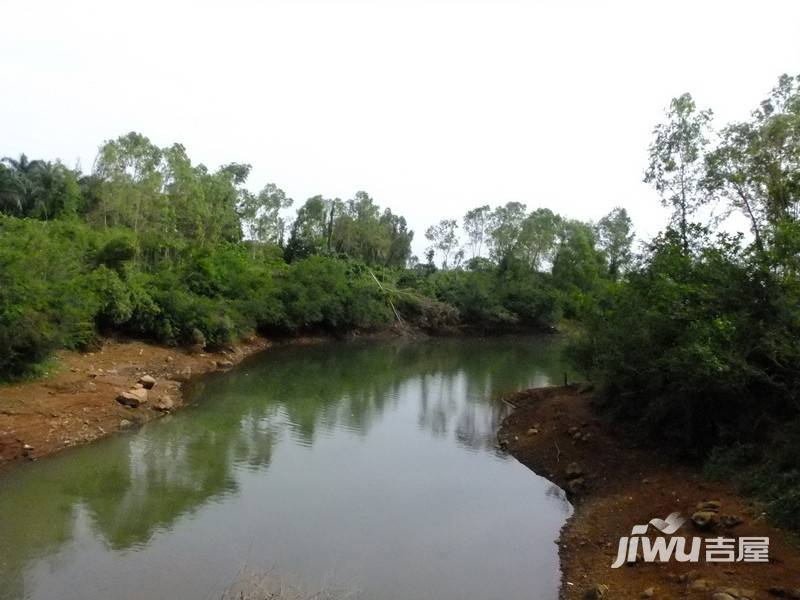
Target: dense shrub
{"type": "Point", "coordinates": [427, 314]}
{"type": "Point", "coordinates": [678, 346]}
{"type": "Point", "coordinates": [503, 297]}
{"type": "Point", "coordinates": [63, 282]}
{"type": "Point", "coordinates": [473, 294]}
{"type": "Point", "coordinates": [116, 251]}
{"type": "Point", "coordinates": [323, 292]}
{"type": "Point", "coordinates": [43, 291]}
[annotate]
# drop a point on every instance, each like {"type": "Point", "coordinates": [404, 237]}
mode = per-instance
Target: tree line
{"type": "Point", "coordinates": [698, 346]}
{"type": "Point", "coordinates": [151, 244]}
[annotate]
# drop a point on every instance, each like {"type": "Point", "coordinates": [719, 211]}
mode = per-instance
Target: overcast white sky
{"type": "Point", "coordinates": [432, 107]}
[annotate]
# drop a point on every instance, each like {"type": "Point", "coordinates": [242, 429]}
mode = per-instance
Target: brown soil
{"type": "Point", "coordinates": [625, 486]}
{"type": "Point", "coordinates": [77, 403]}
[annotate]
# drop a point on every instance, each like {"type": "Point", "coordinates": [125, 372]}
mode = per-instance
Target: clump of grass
{"type": "Point", "coordinates": [44, 368]}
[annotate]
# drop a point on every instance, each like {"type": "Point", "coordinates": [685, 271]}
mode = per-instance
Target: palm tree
{"type": "Point", "coordinates": [17, 182]}
{"type": "Point", "coordinates": [12, 191]}
{"type": "Point", "coordinates": [27, 186]}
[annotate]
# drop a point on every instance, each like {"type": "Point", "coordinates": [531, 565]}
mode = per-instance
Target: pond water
{"type": "Point", "coordinates": [368, 466]}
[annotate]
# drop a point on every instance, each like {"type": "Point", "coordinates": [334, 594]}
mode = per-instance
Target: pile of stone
{"type": "Point", "coordinates": [138, 394]}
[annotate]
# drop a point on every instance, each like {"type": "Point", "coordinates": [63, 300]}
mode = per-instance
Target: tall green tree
{"type": "Point", "coordinates": [756, 166]}
{"type": "Point", "coordinates": [443, 238]}
{"type": "Point", "coordinates": [310, 229]}
{"type": "Point", "coordinates": [262, 214]}
{"type": "Point", "coordinates": [578, 265]}
{"type": "Point", "coordinates": [223, 192]}
{"type": "Point", "coordinates": [615, 237]}
{"type": "Point", "coordinates": [129, 168]}
{"type": "Point", "coordinates": [676, 162]}
{"type": "Point", "coordinates": [505, 228]}
{"type": "Point", "coordinates": [400, 238]}
{"type": "Point", "coordinates": [537, 237]}
{"type": "Point", "coordinates": [357, 230]}
{"type": "Point", "coordinates": [476, 225]}
{"type": "Point", "coordinates": [185, 211]}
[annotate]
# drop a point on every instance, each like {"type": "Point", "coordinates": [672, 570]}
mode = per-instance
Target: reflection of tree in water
{"type": "Point", "coordinates": [256, 440]}
{"type": "Point", "coordinates": [477, 428]}
{"type": "Point", "coordinates": [444, 407]}
{"type": "Point", "coordinates": [129, 499]}
{"type": "Point", "coordinates": [463, 396]}
{"type": "Point", "coordinates": [32, 523]}
{"type": "Point", "coordinates": [351, 385]}
{"type": "Point", "coordinates": [134, 485]}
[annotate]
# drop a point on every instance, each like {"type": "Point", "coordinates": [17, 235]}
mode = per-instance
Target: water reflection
{"type": "Point", "coordinates": [129, 488]}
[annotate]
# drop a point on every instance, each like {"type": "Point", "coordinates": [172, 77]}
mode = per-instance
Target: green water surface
{"type": "Point", "coordinates": [370, 466]}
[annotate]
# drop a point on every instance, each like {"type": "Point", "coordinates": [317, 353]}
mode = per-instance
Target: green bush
{"type": "Point", "coordinates": [430, 315]}
{"type": "Point", "coordinates": [118, 250]}
{"type": "Point", "coordinates": [330, 294]}
{"type": "Point", "coordinates": [698, 350]}
{"type": "Point", "coordinates": [114, 302]}
{"type": "Point", "coordinates": [45, 302]}
{"type": "Point", "coordinates": [504, 297]}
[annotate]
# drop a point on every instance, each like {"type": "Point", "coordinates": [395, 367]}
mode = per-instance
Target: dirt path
{"type": "Point", "coordinates": [77, 403]}
{"type": "Point", "coordinates": [623, 486]}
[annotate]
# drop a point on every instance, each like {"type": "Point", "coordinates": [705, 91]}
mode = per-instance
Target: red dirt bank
{"type": "Point", "coordinates": [77, 403]}
{"type": "Point", "coordinates": [624, 486]}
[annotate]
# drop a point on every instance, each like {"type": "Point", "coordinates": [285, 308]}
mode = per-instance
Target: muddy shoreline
{"type": "Point", "coordinates": [614, 485]}
{"type": "Point", "coordinates": [76, 403]}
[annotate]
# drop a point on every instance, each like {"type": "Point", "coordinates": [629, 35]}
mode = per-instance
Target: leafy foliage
{"type": "Point", "coordinates": [153, 245]}
{"type": "Point", "coordinates": [697, 344]}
